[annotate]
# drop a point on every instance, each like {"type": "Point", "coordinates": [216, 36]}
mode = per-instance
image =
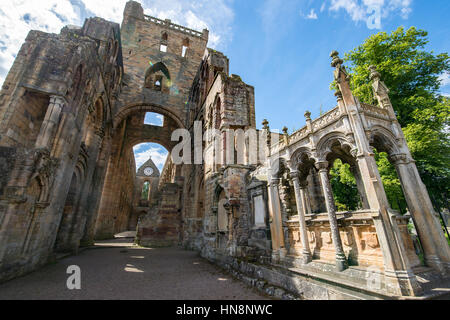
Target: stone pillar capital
{"type": "Point", "coordinates": [322, 166]}
{"type": "Point", "coordinates": [354, 152]}
{"type": "Point", "coordinates": [57, 100]}
{"type": "Point", "coordinates": [399, 158]}
{"type": "Point", "coordinates": [274, 181]}
{"type": "Point", "coordinates": [294, 175]}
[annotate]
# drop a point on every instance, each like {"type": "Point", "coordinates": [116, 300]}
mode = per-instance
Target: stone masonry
{"type": "Point", "coordinates": [73, 107]}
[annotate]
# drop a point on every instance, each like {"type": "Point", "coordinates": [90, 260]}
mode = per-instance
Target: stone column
{"type": "Point", "coordinates": [50, 123]}
{"type": "Point", "coordinates": [301, 200]}
{"type": "Point", "coordinates": [279, 247]}
{"type": "Point", "coordinates": [341, 261]}
{"type": "Point", "coordinates": [360, 185]}
{"type": "Point", "coordinates": [81, 220]}
{"type": "Point", "coordinates": [436, 249]}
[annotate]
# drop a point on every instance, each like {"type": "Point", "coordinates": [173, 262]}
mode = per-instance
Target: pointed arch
{"type": "Point", "coordinates": [383, 140]}
{"type": "Point", "coordinates": [164, 37]}
{"type": "Point", "coordinates": [150, 81]}
{"type": "Point", "coordinates": [160, 66]}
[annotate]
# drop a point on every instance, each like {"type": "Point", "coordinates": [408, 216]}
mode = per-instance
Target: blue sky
{"type": "Point", "coordinates": [281, 47]}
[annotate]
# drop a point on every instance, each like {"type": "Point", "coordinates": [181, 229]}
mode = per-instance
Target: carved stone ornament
{"type": "Point", "coordinates": [44, 164]}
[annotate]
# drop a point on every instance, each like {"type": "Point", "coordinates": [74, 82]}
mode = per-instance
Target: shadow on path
{"type": "Point", "coordinates": [119, 270]}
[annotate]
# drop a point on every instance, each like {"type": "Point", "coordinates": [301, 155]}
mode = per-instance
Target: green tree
{"type": "Point", "coordinates": [428, 140]}
{"type": "Point", "coordinates": [409, 71]}
{"type": "Point", "coordinates": [391, 182]}
{"type": "Point", "coordinates": [344, 187]}
{"type": "Point", "coordinates": [412, 75]}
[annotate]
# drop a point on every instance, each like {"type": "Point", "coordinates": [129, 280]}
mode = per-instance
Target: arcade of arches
{"type": "Point", "coordinates": [68, 176]}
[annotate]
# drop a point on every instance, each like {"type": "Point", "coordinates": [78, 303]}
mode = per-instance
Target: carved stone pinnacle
{"type": "Point", "coordinates": [308, 115]}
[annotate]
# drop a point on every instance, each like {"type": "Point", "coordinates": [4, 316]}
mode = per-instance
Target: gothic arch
{"type": "Point", "coordinates": [383, 140]}
{"type": "Point", "coordinates": [299, 154]}
{"type": "Point", "coordinates": [217, 191]}
{"type": "Point", "coordinates": [325, 145]}
{"type": "Point", "coordinates": [217, 111]}
{"type": "Point", "coordinates": [160, 66]}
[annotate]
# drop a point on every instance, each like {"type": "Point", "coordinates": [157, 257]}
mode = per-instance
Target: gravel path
{"type": "Point", "coordinates": [120, 271]}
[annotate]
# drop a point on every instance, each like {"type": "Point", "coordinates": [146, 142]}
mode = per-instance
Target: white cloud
{"type": "Point", "coordinates": [18, 17]}
{"type": "Point", "coordinates": [361, 10]}
{"type": "Point", "coordinates": [154, 119]}
{"type": "Point", "coordinates": [215, 15]}
{"type": "Point", "coordinates": [111, 10]}
{"type": "Point", "coordinates": [445, 79]}
{"type": "Point", "coordinates": [145, 151]}
{"type": "Point", "coordinates": [312, 15]}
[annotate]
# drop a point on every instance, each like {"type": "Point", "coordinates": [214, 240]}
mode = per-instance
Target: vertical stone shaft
{"type": "Point", "coordinates": [275, 209]}
{"type": "Point", "coordinates": [428, 227]}
{"type": "Point", "coordinates": [50, 123]}
{"type": "Point", "coordinates": [300, 199]}
{"type": "Point", "coordinates": [341, 261]}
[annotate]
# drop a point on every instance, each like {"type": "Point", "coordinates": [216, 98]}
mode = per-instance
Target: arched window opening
{"type": "Point", "coordinates": [144, 151]}
{"type": "Point", "coordinates": [218, 113]}
{"type": "Point", "coordinates": [164, 42]}
{"type": "Point", "coordinates": [154, 77]}
{"type": "Point", "coordinates": [145, 191]}
{"type": "Point", "coordinates": [185, 47]}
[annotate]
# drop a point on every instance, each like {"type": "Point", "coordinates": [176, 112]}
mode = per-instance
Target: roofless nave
{"type": "Point", "coordinates": [73, 106]}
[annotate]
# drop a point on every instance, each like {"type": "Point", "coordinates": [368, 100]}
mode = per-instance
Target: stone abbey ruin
{"type": "Point", "coordinates": [73, 106]}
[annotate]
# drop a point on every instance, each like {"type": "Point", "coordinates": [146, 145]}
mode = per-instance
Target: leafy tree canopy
{"type": "Point", "coordinates": [409, 71]}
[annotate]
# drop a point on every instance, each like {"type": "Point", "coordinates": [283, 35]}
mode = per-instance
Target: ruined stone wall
{"type": "Point", "coordinates": [53, 124]}
{"type": "Point", "coordinates": [118, 191]}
